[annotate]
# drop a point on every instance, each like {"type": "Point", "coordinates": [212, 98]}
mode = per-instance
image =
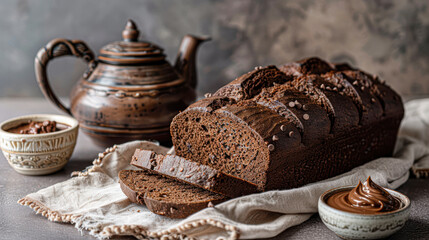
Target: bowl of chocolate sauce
{"type": "Point", "coordinates": [34, 127]}
{"type": "Point", "coordinates": [38, 144]}
{"type": "Point", "coordinates": [365, 211]}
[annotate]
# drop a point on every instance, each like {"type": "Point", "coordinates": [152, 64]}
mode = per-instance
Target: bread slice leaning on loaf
{"type": "Point", "coordinates": [193, 173]}
{"type": "Point", "coordinates": [285, 127]}
{"type": "Point", "coordinates": [164, 196]}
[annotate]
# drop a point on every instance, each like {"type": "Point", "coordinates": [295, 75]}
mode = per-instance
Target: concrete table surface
{"type": "Point", "coordinates": [19, 222]}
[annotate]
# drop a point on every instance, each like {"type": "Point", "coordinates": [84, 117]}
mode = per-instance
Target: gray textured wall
{"type": "Point", "coordinates": [389, 38]}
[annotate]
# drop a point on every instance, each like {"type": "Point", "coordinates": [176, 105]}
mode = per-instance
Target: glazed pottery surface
{"type": "Point", "coordinates": [130, 91]}
{"type": "Point", "coordinates": [38, 154]}
{"type": "Point", "coordinates": [363, 226]}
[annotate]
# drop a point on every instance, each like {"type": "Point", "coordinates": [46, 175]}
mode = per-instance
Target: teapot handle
{"type": "Point", "coordinates": [56, 48]}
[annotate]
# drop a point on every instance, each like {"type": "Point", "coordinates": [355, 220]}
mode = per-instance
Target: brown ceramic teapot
{"type": "Point", "coordinates": [130, 92]}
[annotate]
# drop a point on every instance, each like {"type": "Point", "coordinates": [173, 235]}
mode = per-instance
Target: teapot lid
{"type": "Point", "coordinates": [130, 51]}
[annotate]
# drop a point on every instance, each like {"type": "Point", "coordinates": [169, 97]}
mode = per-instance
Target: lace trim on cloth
{"type": "Point", "coordinates": [173, 233]}
{"type": "Point", "coordinates": [96, 163]}
{"type": "Point", "coordinates": [39, 208]}
{"type": "Point", "coordinates": [420, 172]}
{"type": "Point", "coordinates": [125, 230]}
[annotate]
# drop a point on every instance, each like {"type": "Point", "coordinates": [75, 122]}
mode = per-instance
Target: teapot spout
{"type": "Point", "coordinates": [186, 58]}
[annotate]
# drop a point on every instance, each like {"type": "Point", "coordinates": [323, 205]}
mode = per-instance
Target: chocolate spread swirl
{"type": "Point", "coordinates": [366, 198]}
{"type": "Point", "coordinates": [38, 127]}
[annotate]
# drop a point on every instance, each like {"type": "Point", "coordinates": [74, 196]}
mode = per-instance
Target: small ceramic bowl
{"type": "Point", "coordinates": [363, 226]}
{"type": "Point", "coordinates": [38, 154]}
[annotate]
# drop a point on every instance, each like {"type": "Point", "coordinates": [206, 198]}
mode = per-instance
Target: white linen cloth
{"type": "Point", "coordinates": [93, 200]}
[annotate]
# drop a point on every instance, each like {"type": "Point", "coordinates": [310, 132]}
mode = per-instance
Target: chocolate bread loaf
{"type": "Point", "coordinates": [193, 173]}
{"type": "Point", "coordinates": [285, 127]}
{"type": "Point", "coordinates": [164, 196]}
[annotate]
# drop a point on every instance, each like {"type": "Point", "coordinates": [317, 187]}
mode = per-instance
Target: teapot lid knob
{"type": "Point", "coordinates": [131, 51]}
{"type": "Point", "coordinates": [130, 33]}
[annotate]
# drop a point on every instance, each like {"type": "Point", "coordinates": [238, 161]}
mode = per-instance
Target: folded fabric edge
{"type": "Point", "coordinates": [96, 163]}
{"type": "Point", "coordinates": [178, 232]}
{"type": "Point", "coordinates": [39, 208]}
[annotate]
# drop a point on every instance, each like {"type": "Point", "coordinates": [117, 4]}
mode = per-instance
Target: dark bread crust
{"type": "Point", "coordinates": [350, 118]}
{"type": "Point", "coordinates": [252, 83]}
{"type": "Point", "coordinates": [164, 196]}
{"type": "Point", "coordinates": [192, 173]}
{"type": "Point", "coordinates": [131, 192]}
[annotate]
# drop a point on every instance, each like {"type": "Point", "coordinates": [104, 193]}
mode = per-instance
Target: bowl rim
{"type": "Point", "coordinates": [73, 123]}
{"type": "Point", "coordinates": [322, 201]}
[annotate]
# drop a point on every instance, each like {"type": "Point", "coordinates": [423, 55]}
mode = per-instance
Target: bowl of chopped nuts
{"type": "Point", "coordinates": [38, 144]}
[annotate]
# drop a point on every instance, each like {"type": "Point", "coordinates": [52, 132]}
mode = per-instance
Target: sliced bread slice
{"type": "Point", "coordinates": [165, 196]}
{"type": "Point", "coordinates": [193, 173]}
